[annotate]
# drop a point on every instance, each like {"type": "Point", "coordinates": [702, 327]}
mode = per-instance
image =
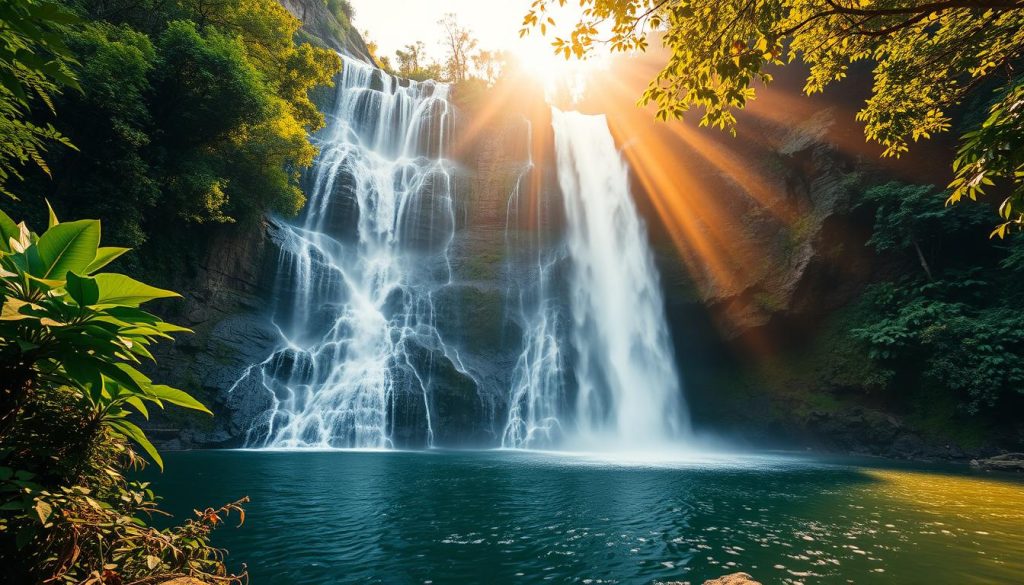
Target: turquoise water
{"type": "Point", "coordinates": [500, 517]}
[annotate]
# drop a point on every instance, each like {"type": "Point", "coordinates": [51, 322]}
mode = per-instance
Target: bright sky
{"type": "Point", "coordinates": [396, 23]}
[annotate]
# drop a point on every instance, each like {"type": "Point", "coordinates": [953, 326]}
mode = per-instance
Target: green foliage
{"type": "Point", "coordinates": [946, 331]}
{"type": "Point", "coordinates": [34, 65]}
{"type": "Point", "coordinates": [65, 324]}
{"type": "Point", "coordinates": [342, 11]}
{"type": "Point", "coordinates": [413, 63]}
{"type": "Point", "coordinates": [190, 112]}
{"type": "Point", "coordinates": [995, 151]}
{"type": "Point", "coordinates": [959, 331]}
{"type": "Point", "coordinates": [86, 522]}
{"type": "Point", "coordinates": [906, 214]}
{"type": "Point", "coordinates": [927, 57]}
{"type": "Point", "coordinates": [71, 339]}
{"type": "Point", "coordinates": [911, 219]}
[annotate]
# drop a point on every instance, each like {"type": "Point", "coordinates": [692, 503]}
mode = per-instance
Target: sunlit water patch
{"type": "Point", "coordinates": [501, 517]}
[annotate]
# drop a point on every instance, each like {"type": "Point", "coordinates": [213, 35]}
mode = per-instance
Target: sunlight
{"type": "Point", "coordinates": [561, 78]}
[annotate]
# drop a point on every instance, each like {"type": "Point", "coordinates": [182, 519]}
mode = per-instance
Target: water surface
{"type": "Point", "coordinates": [500, 517]}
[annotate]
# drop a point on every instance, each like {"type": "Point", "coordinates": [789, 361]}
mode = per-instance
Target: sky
{"type": "Point", "coordinates": [396, 23]}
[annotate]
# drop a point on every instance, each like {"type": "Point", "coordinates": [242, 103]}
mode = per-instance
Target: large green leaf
{"type": "Point", "coordinates": [104, 255]}
{"type": "Point", "coordinates": [132, 315]}
{"type": "Point", "coordinates": [52, 221]}
{"type": "Point", "coordinates": [178, 397]}
{"type": "Point", "coordinates": [139, 405]}
{"type": "Point", "coordinates": [83, 289]}
{"type": "Point", "coordinates": [68, 246]}
{"type": "Point", "coordinates": [134, 433]}
{"type": "Point", "coordinates": [8, 230]}
{"type": "Point", "coordinates": [118, 289]}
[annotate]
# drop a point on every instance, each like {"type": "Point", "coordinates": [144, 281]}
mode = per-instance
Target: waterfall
{"type": "Point", "coordinates": [358, 273]}
{"type": "Point", "coordinates": [363, 274]}
{"type": "Point", "coordinates": [537, 386]}
{"type": "Point", "coordinates": [628, 388]}
{"type": "Point", "coordinates": [627, 391]}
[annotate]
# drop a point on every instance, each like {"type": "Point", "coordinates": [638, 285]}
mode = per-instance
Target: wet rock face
{"type": "Point", "coordinates": [780, 239]}
{"type": "Point", "coordinates": [1004, 462]}
{"type": "Point", "coordinates": [230, 301]}
{"type": "Point", "coordinates": [225, 305]}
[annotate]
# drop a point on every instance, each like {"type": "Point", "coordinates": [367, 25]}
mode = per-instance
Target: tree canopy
{"type": "Point", "coordinates": [193, 111]}
{"type": "Point", "coordinates": [927, 55]}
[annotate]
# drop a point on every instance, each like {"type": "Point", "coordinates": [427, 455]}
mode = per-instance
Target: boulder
{"type": "Point", "coordinates": [731, 579]}
{"type": "Point", "coordinates": [1004, 462]}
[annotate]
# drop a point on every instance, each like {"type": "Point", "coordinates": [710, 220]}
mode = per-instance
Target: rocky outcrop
{"type": "Point", "coordinates": [325, 28]}
{"type": "Point", "coordinates": [226, 305]}
{"type": "Point", "coordinates": [733, 579]}
{"type": "Point", "coordinates": [1004, 462]}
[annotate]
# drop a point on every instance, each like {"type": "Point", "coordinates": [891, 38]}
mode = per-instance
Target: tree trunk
{"type": "Point", "coordinates": [924, 263]}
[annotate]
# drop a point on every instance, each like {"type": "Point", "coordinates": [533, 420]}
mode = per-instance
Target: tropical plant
{"type": "Point", "coordinates": [66, 324]}
{"type": "Point", "coordinates": [928, 56]}
{"type": "Point", "coordinates": [71, 340]}
{"type": "Point", "coordinates": [193, 112]}
{"type": "Point", "coordinates": [92, 526]}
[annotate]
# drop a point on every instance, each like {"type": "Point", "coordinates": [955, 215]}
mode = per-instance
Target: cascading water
{"type": "Point", "coordinates": [362, 275]}
{"type": "Point", "coordinates": [356, 279]}
{"type": "Point", "coordinates": [627, 388]}
{"type": "Point", "coordinates": [537, 387]}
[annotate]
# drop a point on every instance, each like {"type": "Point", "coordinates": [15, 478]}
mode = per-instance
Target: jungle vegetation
{"type": "Point", "coordinates": [191, 112]}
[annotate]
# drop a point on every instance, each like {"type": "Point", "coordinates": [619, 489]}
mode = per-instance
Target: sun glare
{"type": "Point", "coordinates": [537, 59]}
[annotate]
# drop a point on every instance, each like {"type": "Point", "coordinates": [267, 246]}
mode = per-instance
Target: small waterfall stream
{"type": "Point", "coordinates": [537, 391]}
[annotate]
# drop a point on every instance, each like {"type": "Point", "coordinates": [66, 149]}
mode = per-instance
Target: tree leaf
{"type": "Point", "coordinates": [118, 289]}
{"type": "Point", "coordinates": [178, 397]}
{"type": "Point", "coordinates": [134, 433]}
{"type": "Point", "coordinates": [68, 246]}
{"type": "Point", "coordinates": [139, 406]}
{"type": "Point", "coordinates": [8, 230]}
{"type": "Point", "coordinates": [104, 255]}
{"type": "Point", "coordinates": [83, 289]}
{"type": "Point", "coordinates": [52, 220]}
{"type": "Point", "coordinates": [44, 510]}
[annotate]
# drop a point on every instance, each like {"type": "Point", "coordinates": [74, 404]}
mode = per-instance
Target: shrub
{"type": "Point", "coordinates": [71, 338]}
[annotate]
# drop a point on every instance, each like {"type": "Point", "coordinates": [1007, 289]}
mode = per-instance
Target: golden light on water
{"type": "Point", "coordinates": [971, 515]}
